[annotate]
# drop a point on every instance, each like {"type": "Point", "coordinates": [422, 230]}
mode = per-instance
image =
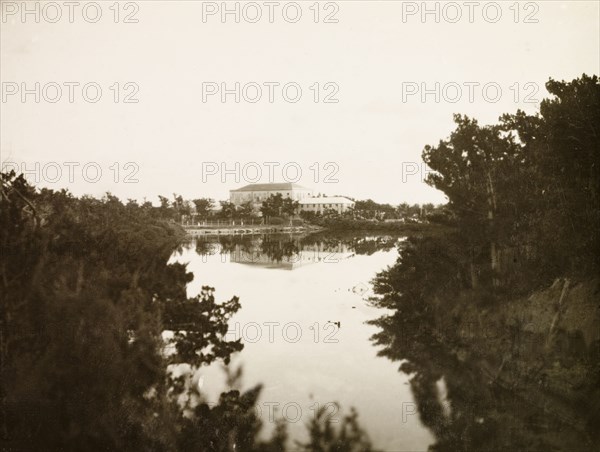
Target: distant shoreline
{"type": "Point", "coordinates": [196, 231]}
{"type": "Point", "coordinates": [344, 226]}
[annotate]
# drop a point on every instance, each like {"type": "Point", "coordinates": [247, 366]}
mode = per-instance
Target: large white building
{"type": "Point", "coordinates": [339, 204]}
{"type": "Point", "coordinates": [257, 193]}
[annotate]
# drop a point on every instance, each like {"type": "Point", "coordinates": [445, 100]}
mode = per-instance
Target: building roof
{"type": "Point", "coordinates": [327, 200]}
{"type": "Point", "coordinates": [272, 187]}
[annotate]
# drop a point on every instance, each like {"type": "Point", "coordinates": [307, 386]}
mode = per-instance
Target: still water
{"type": "Point", "coordinates": [303, 322]}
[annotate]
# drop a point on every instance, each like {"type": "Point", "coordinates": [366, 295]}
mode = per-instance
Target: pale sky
{"type": "Point", "coordinates": [371, 56]}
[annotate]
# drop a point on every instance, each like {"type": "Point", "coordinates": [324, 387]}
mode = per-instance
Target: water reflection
{"type": "Point", "coordinates": [289, 251]}
{"type": "Point", "coordinates": [305, 332]}
{"type": "Point", "coordinates": [482, 370]}
{"type": "Point", "coordinates": [491, 370]}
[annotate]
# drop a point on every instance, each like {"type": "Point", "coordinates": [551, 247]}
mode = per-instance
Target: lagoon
{"type": "Point", "coordinates": [303, 322]}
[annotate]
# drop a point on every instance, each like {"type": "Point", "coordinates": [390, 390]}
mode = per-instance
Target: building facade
{"type": "Point", "coordinates": [257, 193]}
{"type": "Point", "coordinates": [339, 204]}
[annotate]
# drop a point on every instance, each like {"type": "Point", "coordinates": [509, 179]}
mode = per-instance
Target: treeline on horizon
{"type": "Point", "coordinates": [201, 209]}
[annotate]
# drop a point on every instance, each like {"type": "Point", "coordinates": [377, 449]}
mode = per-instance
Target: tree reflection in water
{"type": "Point", "coordinates": [278, 248]}
{"type": "Point", "coordinates": [509, 384]}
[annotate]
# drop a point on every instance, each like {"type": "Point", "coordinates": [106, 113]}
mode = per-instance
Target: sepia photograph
{"type": "Point", "coordinates": [300, 226]}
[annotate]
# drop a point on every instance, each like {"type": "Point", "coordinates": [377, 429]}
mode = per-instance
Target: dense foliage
{"type": "Point", "coordinates": [471, 309]}
{"type": "Point", "coordinates": [526, 190]}
{"type": "Point", "coordinates": [277, 205]}
{"type": "Point", "coordinates": [87, 296]}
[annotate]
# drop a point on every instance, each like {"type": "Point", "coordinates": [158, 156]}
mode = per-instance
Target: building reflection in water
{"type": "Point", "coordinates": [288, 251]}
{"type": "Point", "coordinates": [304, 255]}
